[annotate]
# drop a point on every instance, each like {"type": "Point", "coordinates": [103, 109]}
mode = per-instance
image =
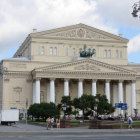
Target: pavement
{"type": "Point", "coordinates": [23, 128]}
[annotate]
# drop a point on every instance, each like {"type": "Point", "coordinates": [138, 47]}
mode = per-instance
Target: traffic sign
{"type": "Point", "coordinates": [123, 106]}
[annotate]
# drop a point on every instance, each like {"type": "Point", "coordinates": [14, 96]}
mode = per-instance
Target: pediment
{"type": "Point", "coordinates": [88, 65]}
{"type": "Point", "coordinates": [80, 31]}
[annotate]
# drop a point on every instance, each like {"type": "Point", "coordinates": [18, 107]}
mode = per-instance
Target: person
{"type": "Point", "coordinates": [58, 123]}
{"type": "Point", "coordinates": [130, 122]}
{"type": "Point", "coordinates": [52, 122]}
{"type": "Point", "coordinates": [48, 122]}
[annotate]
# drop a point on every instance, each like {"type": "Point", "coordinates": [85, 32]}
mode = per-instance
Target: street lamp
{"type": "Point", "coordinates": [95, 109]}
{"type": "Point", "coordinates": [64, 107]}
{"type": "Point", "coordinates": [136, 9]}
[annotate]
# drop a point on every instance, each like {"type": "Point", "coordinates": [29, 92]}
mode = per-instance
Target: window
{"type": "Point", "coordinates": [120, 54]}
{"type": "Point", "coordinates": [109, 53]}
{"type": "Point", "coordinates": [94, 53]}
{"type": "Point", "coordinates": [66, 51]}
{"type": "Point", "coordinates": [117, 53]}
{"type": "Point", "coordinates": [42, 96]}
{"type": "Point", "coordinates": [105, 53]}
{"type": "Point", "coordinates": [43, 50]}
{"type": "Point", "coordinates": [73, 52]}
{"type": "Point", "coordinates": [51, 51]}
{"type": "Point", "coordinates": [17, 96]}
{"type": "Point", "coordinates": [38, 50]}
{"type": "Point", "coordinates": [55, 51]}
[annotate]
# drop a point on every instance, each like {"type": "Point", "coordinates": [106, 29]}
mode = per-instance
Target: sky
{"type": "Point", "coordinates": [19, 17]}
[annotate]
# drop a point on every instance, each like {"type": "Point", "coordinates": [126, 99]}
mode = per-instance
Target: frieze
{"type": "Point", "coordinates": [87, 67]}
{"type": "Point", "coordinates": [20, 66]}
{"type": "Point", "coordinates": [81, 33]}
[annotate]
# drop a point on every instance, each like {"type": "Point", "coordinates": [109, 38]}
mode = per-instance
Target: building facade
{"type": "Point", "coordinates": [48, 65]}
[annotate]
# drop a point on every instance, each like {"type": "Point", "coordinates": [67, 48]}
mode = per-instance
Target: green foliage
{"type": "Point", "coordinates": [66, 100]}
{"type": "Point", "coordinates": [103, 106]}
{"type": "Point", "coordinates": [43, 110]}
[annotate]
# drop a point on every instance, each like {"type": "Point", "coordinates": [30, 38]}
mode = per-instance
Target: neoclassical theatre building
{"type": "Point", "coordinates": [48, 65]}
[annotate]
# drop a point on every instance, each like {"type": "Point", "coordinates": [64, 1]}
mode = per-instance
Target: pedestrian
{"type": "Point", "coordinates": [48, 120]}
{"type": "Point", "coordinates": [52, 123]}
{"type": "Point", "coordinates": [58, 123]}
{"type": "Point", "coordinates": [130, 122]}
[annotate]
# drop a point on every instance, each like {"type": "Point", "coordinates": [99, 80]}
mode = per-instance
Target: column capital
{"type": "Point", "coordinates": [80, 80]}
{"type": "Point", "coordinates": [66, 79]}
{"type": "Point", "coordinates": [133, 81]}
{"type": "Point", "coordinates": [107, 80]}
{"type": "Point", "coordinates": [121, 81]}
{"type": "Point", "coordinates": [37, 79]}
{"type": "Point", "coordinates": [52, 79]}
{"type": "Point", "coordinates": [94, 80]}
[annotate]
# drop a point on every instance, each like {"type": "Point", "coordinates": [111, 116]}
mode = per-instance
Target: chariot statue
{"type": "Point", "coordinates": [88, 53]}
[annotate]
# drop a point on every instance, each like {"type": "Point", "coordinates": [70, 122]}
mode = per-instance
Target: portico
{"type": "Point", "coordinates": [80, 78]}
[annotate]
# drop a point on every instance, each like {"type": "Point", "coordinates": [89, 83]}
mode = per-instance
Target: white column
{"type": "Point", "coordinates": [128, 96]}
{"type": "Point", "coordinates": [37, 91]}
{"type": "Point", "coordinates": [80, 91]}
{"type": "Point", "coordinates": [133, 97]}
{"type": "Point", "coordinates": [94, 88]}
{"type": "Point", "coordinates": [48, 91]}
{"type": "Point", "coordinates": [66, 87]}
{"type": "Point", "coordinates": [52, 90]}
{"type": "Point", "coordinates": [80, 88]}
{"type": "Point", "coordinates": [115, 97]}
{"type": "Point", "coordinates": [120, 90]}
{"type": "Point", "coordinates": [33, 92]}
{"type": "Point", "coordinates": [107, 90]}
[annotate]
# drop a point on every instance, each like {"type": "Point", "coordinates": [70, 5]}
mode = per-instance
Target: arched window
{"type": "Point", "coordinates": [73, 52]}
{"type": "Point", "coordinates": [51, 51]}
{"type": "Point", "coordinates": [117, 53]}
{"type": "Point", "coordinates": [109, 53]}
{"type": "Point", "coordinates": [38, 50]}
{"type": "Point", "coordinates": [66, 51]}
{"type": "Point", "coordinates": [105, 53]}
{"type": "Point", "coordinates": [55, 51]}
{"type": "Point", "coordinates": [120, 54]}
{"type": "Point", "coordinates": [43, 50]}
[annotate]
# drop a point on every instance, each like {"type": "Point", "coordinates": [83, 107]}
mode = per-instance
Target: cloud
{"type": "Point", "coordinates": [134, 44]}
{"type": "Point", "coordinates": [18, 18]}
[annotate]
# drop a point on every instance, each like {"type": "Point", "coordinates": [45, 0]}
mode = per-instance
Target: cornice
{"type": "Point", "coordinates": [84, 75]}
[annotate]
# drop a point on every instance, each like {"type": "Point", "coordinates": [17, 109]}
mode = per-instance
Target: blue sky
{"type": "Point", "coordinates": [18, 18]}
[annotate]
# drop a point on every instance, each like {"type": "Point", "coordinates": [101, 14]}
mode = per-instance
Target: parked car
{"type": "Point", "coordinates": [100, 118]}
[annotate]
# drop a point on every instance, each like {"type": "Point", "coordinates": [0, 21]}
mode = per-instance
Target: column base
{"type": "Point", "coordinates": [64, 124]}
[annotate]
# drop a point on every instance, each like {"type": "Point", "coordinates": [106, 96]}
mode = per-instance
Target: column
{"type": "Point", "coordinates": [128, 96]}
{"type": "Point", "coordinates": [133, 97]}
{"type": "Point", "coordinates": [80, 92]}
{"type": "Point", "coordinates": [120, 90]}
{"type": "Point", "coordinates": [80, 88]}
{"type": "Point", "coordinates": [115, 97]}
{"type": "Point", "coordinates": [94, 88]}
{"type": "Point", "coordinates": [52, 90]}
{"type": "Point", "coordinates": [66, 87]}
{"type": "Point", "coordinates": [48, 91]}
{"type": "Point", "coordinates": [107, 90]}
{"type": "Point", "coordinates": [33, 97]}
{"type": "Point", "coordinates": [37, 90]}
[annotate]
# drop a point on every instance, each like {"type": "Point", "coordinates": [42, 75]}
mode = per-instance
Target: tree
{"type": "Point", "coordinates": [66, 100]}
{"type": "Point", "coordinates": [104, 107]}
{"type": "Point", "coordinates": [84, 103]}
{"type": "Point", "coordinates": [43, 110]}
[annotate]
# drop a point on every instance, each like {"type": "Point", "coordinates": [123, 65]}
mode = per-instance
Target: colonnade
{"type": "Point", "coordinates": [51, 90]}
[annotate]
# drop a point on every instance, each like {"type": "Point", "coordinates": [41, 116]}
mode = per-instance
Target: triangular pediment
{"type": "Point", "coordinates": [88, 65]}
{"type": "Point", "coordinates": [80, 31]}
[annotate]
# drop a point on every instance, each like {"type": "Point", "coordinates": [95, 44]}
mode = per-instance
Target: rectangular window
{"type": "Point", "coordinates": [51, 51]}
{"type": "Point", "coordinates": [43, 50]}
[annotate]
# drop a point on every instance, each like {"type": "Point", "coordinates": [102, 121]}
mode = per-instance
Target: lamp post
{"type": "Point", "coordinates": [136, 9]}
{"type": "Point", "coordinates": [95, 109]}
{"type": "Point", "coordinates": [64, 107]}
